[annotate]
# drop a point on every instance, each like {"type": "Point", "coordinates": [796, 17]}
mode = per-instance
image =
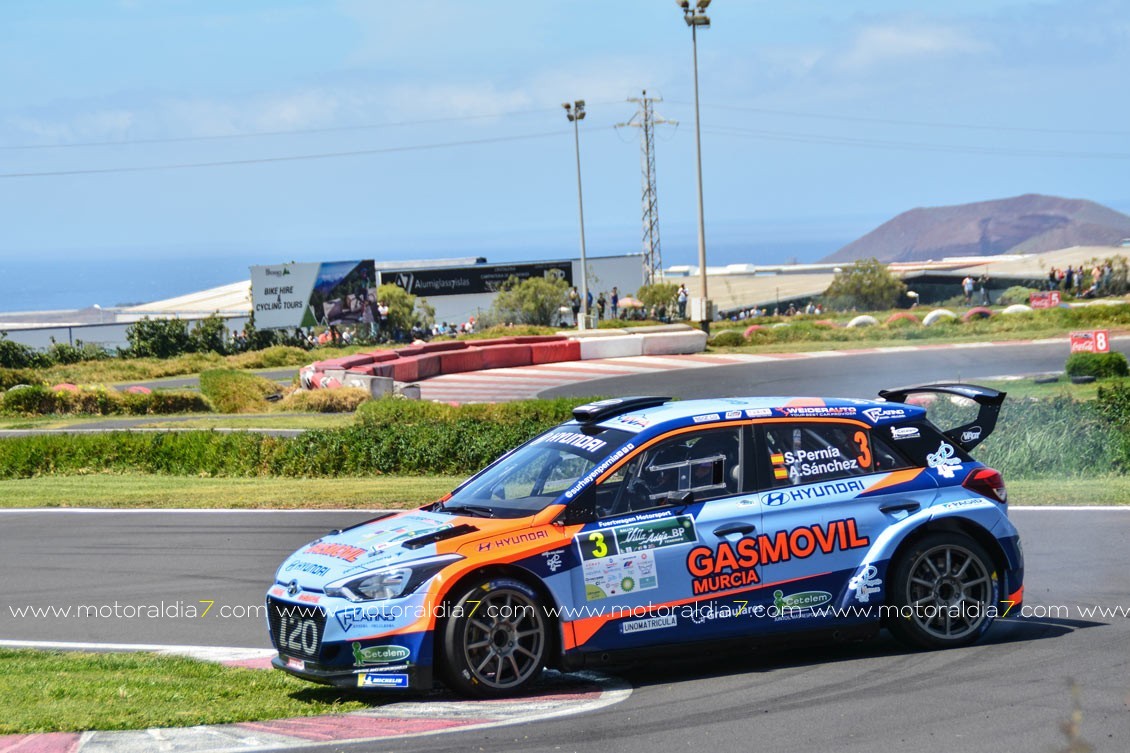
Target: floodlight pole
{"type": "Point", "coordinates": [696, 17]}
{"type": "Point", "coordinates": [576, 112]}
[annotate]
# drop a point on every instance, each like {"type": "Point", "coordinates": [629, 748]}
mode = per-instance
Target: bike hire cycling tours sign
{"type": "Point", "coordinates": [285, 296]}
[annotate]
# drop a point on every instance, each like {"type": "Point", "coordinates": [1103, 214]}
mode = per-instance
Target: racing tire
{"type": "Point", "coordinates": [944, 592]}
{"type": "Point", "coordinates": [496, 639]}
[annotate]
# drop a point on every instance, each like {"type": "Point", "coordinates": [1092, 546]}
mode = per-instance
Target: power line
{"type": "Point", "coordinates": [294, 132]}
{"type": "Point", "coordinates": [921, 123]}
{"type": "Point", "coordinates": [290, 158]}
{"type": "Point", "coordinates": [909, 146]}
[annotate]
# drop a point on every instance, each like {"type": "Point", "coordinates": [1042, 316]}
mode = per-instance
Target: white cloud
{"type": "Point", "coordinates": [893, 43]}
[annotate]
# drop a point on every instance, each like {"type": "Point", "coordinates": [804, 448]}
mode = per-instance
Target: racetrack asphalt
{"type": "Point", "coordinates": [1009, 693]}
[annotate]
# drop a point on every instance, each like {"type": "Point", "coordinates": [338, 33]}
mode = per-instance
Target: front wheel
{"type": "Point", "coordinates": [943, 593]}
{"type": "Point", "coordinates": [496, 640]}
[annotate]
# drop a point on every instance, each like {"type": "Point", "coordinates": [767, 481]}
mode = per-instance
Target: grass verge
{"type": "Point", "coordinates": [54, 691]}
{"type": "Point", "coordinates": [153, 491]}
{"type": "Point", "coordinates": [385, 492]}
{"type": "Point", "coordinates": [1102, 490]}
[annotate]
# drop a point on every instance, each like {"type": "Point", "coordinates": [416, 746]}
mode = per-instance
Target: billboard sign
{"type": "Point", "coordinates": [1096, 341]}
{"type": "Point", "coordinates": [285, 296]}
{"type": "Point", "coordinates": [1046, 300]}
{"type": "Point", "coordinates": [482, 278]}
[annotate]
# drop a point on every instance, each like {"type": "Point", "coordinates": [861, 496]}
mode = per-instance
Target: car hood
{"type": "Point", "coordinates": [380, 543]}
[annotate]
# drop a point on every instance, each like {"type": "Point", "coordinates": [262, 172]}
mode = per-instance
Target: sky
{"type": "Point", "coordinates": [185, 140]}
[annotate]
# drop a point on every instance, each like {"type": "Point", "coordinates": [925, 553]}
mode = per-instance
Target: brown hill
{"type": "Point", "coordinates": [1029, 224]}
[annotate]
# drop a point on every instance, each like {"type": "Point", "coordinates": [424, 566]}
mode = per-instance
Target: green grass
{"type": "Point", "coordinates": [53, 691]}
{"type": "Point", "coordinates": [187, 421]}
{"type": "Point", "coordinates": [1022, 389]}
{"type": "Point", "coordinates": [387, 492]}
{"type": "Point", "coordinates": [152, 491]}
{"type": "Point", "coordinates": [1101, 490]}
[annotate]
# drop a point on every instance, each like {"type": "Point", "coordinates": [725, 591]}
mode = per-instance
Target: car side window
{"type": "Point", "coordinates": [811, 452]}
{"type": "Point", "coordinates": [705, 464]}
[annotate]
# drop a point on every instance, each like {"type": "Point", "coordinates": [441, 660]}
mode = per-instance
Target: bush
{"type": "Point", "coordinates": [1016, 294]}
{"type": "Point", "coordinates": [33, 400]}
{"type": "Point", "coordinates": [9, 378]}
{"type": "Point", "coordinates": [728, 339]}
{"type": "Point", "coordinates": [15, 355]}
{"type": "Point", "coordinates": [233, 391]}
{"type": "Point", "coordinates": [1098, 365]}
{"type": "Point", "coordinates": [337, 400]}
{"type": "Point", "coordinates": [38, 400]}
{"type": "Point", "coordinates": [274, 357]}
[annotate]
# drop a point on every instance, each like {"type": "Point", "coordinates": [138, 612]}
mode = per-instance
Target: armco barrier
{"type": "Point", "coordinates": [458, 361]}
{"type": "Point", "coordinates": [505, 356]}
{"type": "Point", "coordinates": [619, 346]}
{"type": "Point", "coordinates": [554, 352]}
{"type": "Point", "coordinates": [673, 343]}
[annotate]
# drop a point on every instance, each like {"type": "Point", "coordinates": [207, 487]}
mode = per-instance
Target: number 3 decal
{"type": "Point", "coordinates": [864, 456]}
{"type": "Point", "coordinates": [599, 548]}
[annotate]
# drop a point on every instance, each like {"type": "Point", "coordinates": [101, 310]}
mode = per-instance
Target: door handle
{"type": "Point", "coordinates": [742, 528]}
{"type": "Point", "coordinates": [900, 507]}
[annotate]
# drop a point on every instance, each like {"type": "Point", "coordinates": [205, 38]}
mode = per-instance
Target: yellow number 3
{"type": "Point", "coordinates": [599, 547]}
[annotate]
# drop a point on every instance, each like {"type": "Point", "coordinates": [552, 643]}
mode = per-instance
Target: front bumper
{"type": "Point", "coordinates": [405, 677]}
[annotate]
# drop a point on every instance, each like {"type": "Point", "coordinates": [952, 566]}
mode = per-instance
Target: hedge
{"type": "Point", "coordinates": [37, 400]}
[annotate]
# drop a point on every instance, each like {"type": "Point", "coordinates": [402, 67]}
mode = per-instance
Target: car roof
{"type": "Point", "coordinates": [677, 413]}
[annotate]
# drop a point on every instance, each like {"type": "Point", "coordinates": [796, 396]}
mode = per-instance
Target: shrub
{"type": "Point", "coordinates": [728, 339]}
{"type": "Point", "coordinates": [273, 357]}
{"type": "Point", "coordinates": [33, 400]}
{"type": "Point", "coordinates": [233, 391]}
{"type": "Point", "coordinates": [9, 378]}
{"type": "Point", "coordinates": [158, 338]}
{"type": "Point", "coordinates": [1016, 294]}
{"type": "Point", "coordinates": [37, 400]}
{"type": "Point", "coordinates": [15, 355]}
{"type": "Point", "coordinates": [1099, 365]}
{"type": "Point", "coordinates": [337, 400]}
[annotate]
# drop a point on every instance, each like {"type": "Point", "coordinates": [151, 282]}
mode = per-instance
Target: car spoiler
{"type": "Point", "coordinates": [968, 435]}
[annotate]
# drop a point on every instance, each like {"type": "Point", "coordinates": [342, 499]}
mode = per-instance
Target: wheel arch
{"type": "Point", "coordinates": [954, 524]}
{"type": "Point", "coordinates": [504, 570]}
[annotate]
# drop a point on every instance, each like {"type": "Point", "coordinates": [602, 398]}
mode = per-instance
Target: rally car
{"type": "Point", "coordinates": [646, 525]}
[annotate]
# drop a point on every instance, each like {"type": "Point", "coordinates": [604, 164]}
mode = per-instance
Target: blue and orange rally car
{"type": "Point", "coordinates": [645, 524]}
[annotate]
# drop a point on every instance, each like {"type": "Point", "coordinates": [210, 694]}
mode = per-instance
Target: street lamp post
{"type": "Point", "coordinates": [576, 112]}
{"type": "Point", "coordinates": [696, 17]}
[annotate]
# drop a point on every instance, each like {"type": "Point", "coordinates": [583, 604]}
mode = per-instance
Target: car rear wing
{"type": "Point", "coordinates": [968, 435]}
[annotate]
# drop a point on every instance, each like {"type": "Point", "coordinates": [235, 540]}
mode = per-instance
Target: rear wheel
{"type": "Point", "coordinates": [496, 640]}
{"type": "Point", "coordinates": [944, 592]}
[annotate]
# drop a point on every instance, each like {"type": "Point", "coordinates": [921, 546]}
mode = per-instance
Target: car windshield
{"type": "Point", "coordinates": [536, 474]}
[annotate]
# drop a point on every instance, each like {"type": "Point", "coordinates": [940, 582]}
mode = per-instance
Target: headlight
{"type": "Point", "coordinates": [389, 582]}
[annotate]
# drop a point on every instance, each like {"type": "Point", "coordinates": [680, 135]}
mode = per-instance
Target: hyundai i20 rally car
{"type": "Point", "coordinates": [646, 525]}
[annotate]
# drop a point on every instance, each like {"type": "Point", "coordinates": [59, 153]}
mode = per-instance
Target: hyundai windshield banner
{"type": "Point", "coordinates": [284, 296]}
{"type": "Point", "coordinates": [483, 278]}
